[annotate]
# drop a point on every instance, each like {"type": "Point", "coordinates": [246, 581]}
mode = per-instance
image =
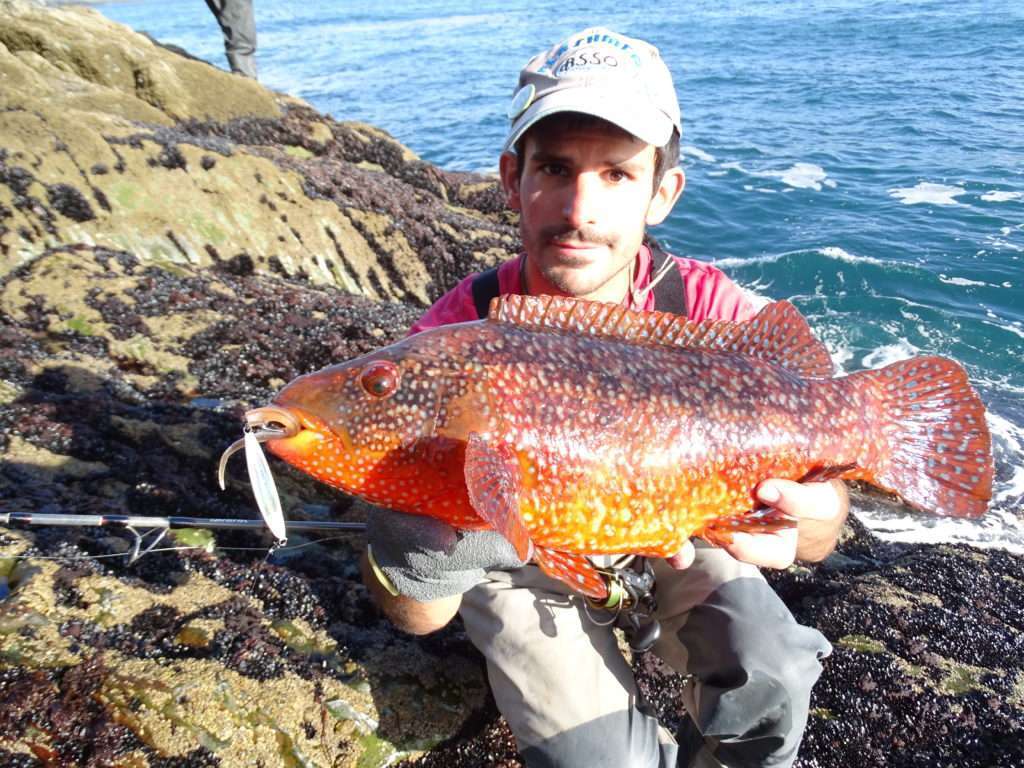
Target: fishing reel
{"type": "Point", "coordinates": [631, 598]}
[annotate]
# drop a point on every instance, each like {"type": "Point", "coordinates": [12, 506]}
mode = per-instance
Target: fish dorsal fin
{"type": "Point", "coordinates": [778, 334]}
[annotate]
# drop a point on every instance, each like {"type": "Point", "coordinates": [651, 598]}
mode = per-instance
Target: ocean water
{"type": "Point", "coordinates": [863, 158]}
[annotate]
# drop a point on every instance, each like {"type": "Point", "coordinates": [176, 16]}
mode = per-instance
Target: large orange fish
{"type": "Point", "coordinates": [577, 428]}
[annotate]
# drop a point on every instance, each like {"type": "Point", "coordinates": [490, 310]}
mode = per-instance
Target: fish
{"type": "Point", "coordinates": [578, 428]}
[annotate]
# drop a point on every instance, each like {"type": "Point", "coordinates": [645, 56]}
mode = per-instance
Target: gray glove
{"type": "Point", "coordinates": [426, 559]}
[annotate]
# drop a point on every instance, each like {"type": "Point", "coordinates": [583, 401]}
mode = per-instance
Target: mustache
{"type": "Point", "coordinates": [563, 234]}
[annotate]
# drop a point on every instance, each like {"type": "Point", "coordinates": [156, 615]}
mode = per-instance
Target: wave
{"type": "Point", "coordinates": [889, 353]}
{"type": "Point", "coordinates": [997, 529]}
{"type": "Point", "coordinates": [699, 154]}
{"type": "Point", "coordinates": [830, 252]}
{"type": "Point", "coordinates": [962, 281]}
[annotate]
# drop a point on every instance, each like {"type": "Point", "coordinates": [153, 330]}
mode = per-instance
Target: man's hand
{"type": "Point", "coordinates": [820, 510]}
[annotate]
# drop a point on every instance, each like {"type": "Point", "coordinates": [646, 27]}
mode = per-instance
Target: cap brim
{"type": "Point", "coordinates": [633, 116]}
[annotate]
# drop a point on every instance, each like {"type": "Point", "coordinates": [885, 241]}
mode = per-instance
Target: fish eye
{"type": "Point", "coordinates": [379, 379]}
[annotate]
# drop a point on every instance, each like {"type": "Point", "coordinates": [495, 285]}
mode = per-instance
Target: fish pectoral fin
{"type": "Point", "coordinates": [822, 473]}
{"type": "Point", "coordinates": [492, 479]}
{"type": "Point", "coordinates": [719, 532]}
{"type": "Point", "coordinates": [574, 570]}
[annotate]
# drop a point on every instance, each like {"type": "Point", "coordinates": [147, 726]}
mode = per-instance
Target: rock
{"type": "Point", "coordinates": [110, 139]}
{"type": "Point", "coordinates": [190, 655]}
{"type": "Point", "coordinates": [928, 652]}
{"type": "Point", "coordinates": [177, 243]}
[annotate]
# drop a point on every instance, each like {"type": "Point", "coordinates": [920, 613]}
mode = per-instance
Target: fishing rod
{"type": "Point", "coordinates": [145, 523]}
{"type": "Point", "coordinates": [263, 488]}
{"type": "Point", "coordinates": [631, 586]}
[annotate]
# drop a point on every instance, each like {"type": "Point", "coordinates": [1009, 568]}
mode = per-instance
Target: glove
{"type": "Point", "coordinates": [426, 559]}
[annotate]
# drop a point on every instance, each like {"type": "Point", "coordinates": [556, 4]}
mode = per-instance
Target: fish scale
{"type": "Point", "coordinates": [577, 428]}
{"type": "Point", "coordinates": [643, 460]}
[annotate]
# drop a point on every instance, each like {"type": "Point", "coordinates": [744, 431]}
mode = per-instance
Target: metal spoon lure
{"type": "Point", "coordinates": [261, 425]}
{"type": "Point", "coordinates": [264, 488]}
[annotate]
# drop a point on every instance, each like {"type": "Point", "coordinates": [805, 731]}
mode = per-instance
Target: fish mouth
{"type": "Point", "coordinates": [270, 422]}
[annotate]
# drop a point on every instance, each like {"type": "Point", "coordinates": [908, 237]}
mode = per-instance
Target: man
{"type": "Point", "coordinates": [238, 24]}
{"type": "Point", "coordinates": [590, 161]}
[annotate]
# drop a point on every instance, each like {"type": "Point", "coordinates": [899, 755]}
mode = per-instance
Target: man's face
{"type": "Point", "coordinates": [585, 198]}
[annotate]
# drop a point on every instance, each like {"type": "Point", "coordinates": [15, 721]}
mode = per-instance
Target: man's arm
{"type": "Point", "coordinates": [405, 613]}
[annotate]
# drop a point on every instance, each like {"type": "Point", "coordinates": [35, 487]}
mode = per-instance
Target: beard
{"type": "Point", "coordinates": [578, 275]}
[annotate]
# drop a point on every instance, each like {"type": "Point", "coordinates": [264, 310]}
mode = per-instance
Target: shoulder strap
{"type": "Point", "coordinates": [485, 287]}
{"type": "Point", "coordinates": [669, 292]}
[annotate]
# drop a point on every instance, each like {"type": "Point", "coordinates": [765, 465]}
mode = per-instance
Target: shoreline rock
{"type": "Point", "coordinates": [113, 140]}
{"type": "Point", "coordinates": [175, 244]}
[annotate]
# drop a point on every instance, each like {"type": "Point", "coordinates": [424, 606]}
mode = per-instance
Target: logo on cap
{"type": "Point", "coordinates": [521, 101]}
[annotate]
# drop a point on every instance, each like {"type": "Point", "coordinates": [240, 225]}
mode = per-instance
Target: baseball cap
{"type": "Point", "coordinates": [601, 73]}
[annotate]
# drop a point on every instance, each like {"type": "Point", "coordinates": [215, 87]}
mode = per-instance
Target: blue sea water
{"type": "Point", "coordinates": [864, 158]}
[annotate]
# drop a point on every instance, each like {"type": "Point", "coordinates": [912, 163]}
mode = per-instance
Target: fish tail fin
{"type": "Point", "coordinates": [936, 451]}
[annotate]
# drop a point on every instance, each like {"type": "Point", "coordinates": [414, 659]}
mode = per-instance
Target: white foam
{"type": "Point", "coordinates": [959, 281]}
{"type": "Point", "coordinates": [1013, 327]}
{"type": "Point", "coordinates": [758, 300]}
{"type": "Point", "coordinates": [1003, 245]}
{"type": "Point", "coordinates": [700, 154]}
{"type": "Point", "coordinates": [889, 353]}
{"type": "Point", "coordinates": [800, 176]}
{"type": "Point", "coordinates": [732, 262]}
{"type": "Point", "coordinates": [927, 192]}
{"type": "Point", "coordinates": [1009, 438]}
{"type": "Point", "coordinates": [838, 254]}
{"type": "Point", "coordinates": [1002, 196]}
{"type": "Point", "coordinates": [997, 529]}
{"type": "Point", "coordinates": [840, 358]}
{"type": "Point", "coordinates": [835, 252]}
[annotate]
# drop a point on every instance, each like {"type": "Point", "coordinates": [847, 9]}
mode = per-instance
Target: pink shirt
{"type": "Point", "coordinates": [709, 293]}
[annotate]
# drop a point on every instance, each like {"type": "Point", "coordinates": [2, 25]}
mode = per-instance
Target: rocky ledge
{"type": "Point", "coordinates": [175, 244]}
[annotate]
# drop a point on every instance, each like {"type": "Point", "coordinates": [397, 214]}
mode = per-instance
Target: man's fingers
{"type": "Point", "coordinates": [684, 557]}
{"type": "Point", "coordinates": [815, 501]}
{"type": "Point", "coordinates": [765, 550]}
